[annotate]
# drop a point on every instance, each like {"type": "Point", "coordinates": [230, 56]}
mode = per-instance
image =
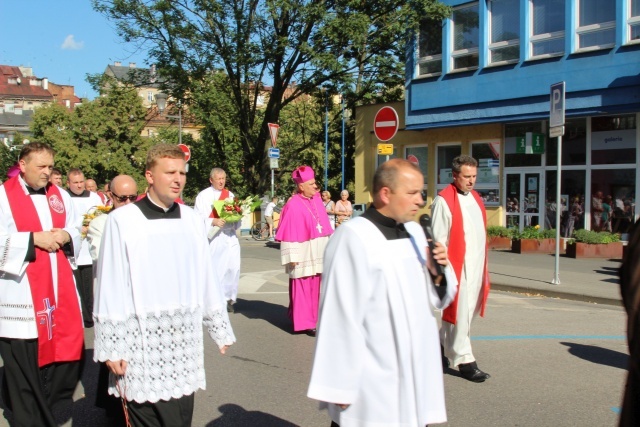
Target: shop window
{"type": "Point", "coordinates": [634, 20]}
{"type": "Point", "coordinates": [465, 37]}
{"type": "Point", "coordinates": [574, 144]}
{"type": "Point", "coordinates": [504, 16]}
{"type": "Point", "coordinates": [613, 201]}
{"type": "Point", "coordinates": [572, 201]}
{"type": "Point", "coordinates": [419, 156]}
{"type": "Point", "coordinates": [511, 156]}
{"type": "Point", "coordinates": [488, 181]}
{"type": "Point", "coordinates": [613, 140]}
{"type": "Point", "coordinates": [430, 47]}
{"type": "Point", "coordinates": [547, 27]}
{"type": "Point", "coordinates": [596, 24]}
{"type": "Point", "coordinates": [444, 157]}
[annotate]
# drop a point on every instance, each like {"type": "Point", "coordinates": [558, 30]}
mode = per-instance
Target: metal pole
{"type": "Point", "coordinates": [179, 124]}
{"type": "Point", "coordinates": [556, 278]}
{"type": "Point", "coordinates": [272, 184]}
{"type": "Point", "coordinates": [326, 143]}
{"type": "Point", "coordinates": [342, 155]}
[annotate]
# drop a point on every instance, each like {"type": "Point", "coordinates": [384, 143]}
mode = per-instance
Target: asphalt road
{"type": "Point", "coordinates": [553, 363]}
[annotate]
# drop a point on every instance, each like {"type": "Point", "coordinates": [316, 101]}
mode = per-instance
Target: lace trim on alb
{"type": "Point", "coordinates": [5, 253]}
{"type": "Point", "coordinates": [219, 328]}
{"type": "Point", "coordinates": [164, 353]}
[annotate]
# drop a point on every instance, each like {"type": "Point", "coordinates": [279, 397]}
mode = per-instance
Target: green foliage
{"type": "Point", "coordinates": [101, 137]}
{"type": "Point", "coordinates": [594, 237]}
{"type": "Point", "coordinates": [213, 55]}
{"type": "Point", "coordinates": [534, 232]}
{"type": "Point", "coordinates": [499, 231]}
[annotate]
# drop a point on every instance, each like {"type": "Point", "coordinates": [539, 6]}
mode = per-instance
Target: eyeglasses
{"type": "Point", "coordinates": [123, 199]}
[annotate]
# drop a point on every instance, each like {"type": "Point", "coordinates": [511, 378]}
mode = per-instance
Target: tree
{"type": "Point", "coordinates": [351, 47]}
{"type": "Point", "coordinates": [101, 137]}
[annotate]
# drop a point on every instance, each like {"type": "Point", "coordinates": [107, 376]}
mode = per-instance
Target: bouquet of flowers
{"type": "Point", "coordinates": [92, 213]}
{"type": "Point", "coordinates": [232, 210]}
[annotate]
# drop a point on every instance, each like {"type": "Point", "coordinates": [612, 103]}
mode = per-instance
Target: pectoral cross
{"type": "Point", "coordinates": [47, 316]}
{"type": "Point", "coordinates": [319, 227]}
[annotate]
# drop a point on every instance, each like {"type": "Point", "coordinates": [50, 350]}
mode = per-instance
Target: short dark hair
{"type": "Point", "coordinates": [387, 173]}
{"type": "Point", "coordinates": [463, 160]}
{"type": "Point", "coordinates": [56, 171]}
{"type": "Point", "coordinates": [35, 147]}
{"type": "Point", "coordinates": [74, 171]}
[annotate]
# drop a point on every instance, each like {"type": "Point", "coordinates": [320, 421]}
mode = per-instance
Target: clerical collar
{"type": "Point", "coordinates": [38, 191]}
{"type": "Point", "coordinates": [85, 193]}
{"type": "Point", "coordinates": [461, 192]}
{"type": "Point", "coordinates": [389, 227]}
{"type": "Point", "coordinates": [152, 211]}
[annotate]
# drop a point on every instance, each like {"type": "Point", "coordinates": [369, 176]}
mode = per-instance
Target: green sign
{"type": "Point", "coordinates": [531, 143]}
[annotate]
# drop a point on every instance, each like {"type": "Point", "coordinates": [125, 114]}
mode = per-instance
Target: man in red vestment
{"type": "Point", "coordinates": [460, 223]}
{"type": "Point", "coordinates": [41, 335]}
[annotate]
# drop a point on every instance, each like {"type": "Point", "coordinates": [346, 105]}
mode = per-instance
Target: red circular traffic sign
{"type": "Point", "coordinates": [186, 151]}
{"type": "Point", "coordinates": [385, 125]}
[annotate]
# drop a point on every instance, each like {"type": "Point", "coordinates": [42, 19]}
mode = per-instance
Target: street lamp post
{"type": "Point", "coordinates": [161, 102]}
{"type": "Point", "coordinates": [326, 140]}
{"type": "Point", "coordinates": [342, 153]}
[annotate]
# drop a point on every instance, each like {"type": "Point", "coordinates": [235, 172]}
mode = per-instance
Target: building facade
{"type": "Point", "coordinates": [479, 83]}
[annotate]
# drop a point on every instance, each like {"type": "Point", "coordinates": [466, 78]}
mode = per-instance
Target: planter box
{"type": "Point", "coordinates": [499, 242]}
{"type": "Point", "coordinates": [543, 246]}
{"type": "Point", "coordinates": [585, 250]}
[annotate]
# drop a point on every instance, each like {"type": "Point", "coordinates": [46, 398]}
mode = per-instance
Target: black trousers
{"type": "Point", "coordinates": [33, 393]}
{"type": "Point", "coordinates": [84, 284]}
{"type": "Point", "coordinates": [171, 413]}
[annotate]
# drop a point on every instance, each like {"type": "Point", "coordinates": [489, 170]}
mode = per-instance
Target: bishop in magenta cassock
{"type": "Point", "coordinates": [303, 233]}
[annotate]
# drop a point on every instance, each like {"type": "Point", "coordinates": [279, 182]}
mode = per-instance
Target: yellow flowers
{"type": "Point", "coordinates": [92, 213]}
{"type": "Point", "coordinates": [537, 227]}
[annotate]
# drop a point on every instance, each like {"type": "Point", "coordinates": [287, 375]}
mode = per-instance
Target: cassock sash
{"type": "Point", "coordinates": [59, 323]}
{"type": "Point", "coordinates": [457, 249]}
{"type": "Point", "coordinates": [223, 195]}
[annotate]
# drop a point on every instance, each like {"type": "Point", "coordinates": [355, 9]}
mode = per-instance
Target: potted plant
{"type": "Point", "coordinates": [594, 244]}
{"type": "Point", "coordinates": [499, 237]}
{"type": "Point", "coordinates": [532, 239]}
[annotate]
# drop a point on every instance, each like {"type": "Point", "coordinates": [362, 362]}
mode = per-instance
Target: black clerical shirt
{"type": "Point", "coordinates": [389, 228]}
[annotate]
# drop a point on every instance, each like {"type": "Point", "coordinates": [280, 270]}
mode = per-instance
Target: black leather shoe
{"type": "Point", "coordinates": [445, 361]}
{"type": "Point", "coordinates": [311, 332]}
{"type": "Point", "coordinates": [471, 372]}
{"type": "Point", "coordinates": [229, 306]}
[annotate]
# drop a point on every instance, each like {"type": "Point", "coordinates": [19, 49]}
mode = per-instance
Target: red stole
{"type": "Point", "coordinates": [457, 249]}
{"type": "Point", "coordinates": [59, 322]}
{"type": "Point", "coordinates": [223, 195]}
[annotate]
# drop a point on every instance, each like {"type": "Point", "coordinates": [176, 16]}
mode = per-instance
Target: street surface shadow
{"type": "Point", "coordinates": [235, 415]}
{"type": "Point", "coordinates": [275, 314]}
{"type": "Point", "coordinates": [599, 355]}
{"type": "Point", "coordinates": [611, 271]}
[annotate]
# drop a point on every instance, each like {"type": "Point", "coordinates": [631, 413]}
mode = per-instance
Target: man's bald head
{"type": "Point", "coordinates": [123, 190]}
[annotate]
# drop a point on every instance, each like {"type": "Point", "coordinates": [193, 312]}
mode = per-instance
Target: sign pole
{"type": "Point", "coordinates": [556, 129]}
{"type": "Point", "coordinates": [272, 183]}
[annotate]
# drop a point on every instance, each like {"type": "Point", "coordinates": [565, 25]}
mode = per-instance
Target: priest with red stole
{"type": "Point", "coordinates": [41, 328]}
{"type": "Point", "coordinates": [224, 245]}
{"type": "Point", "coordinates": [303, 233]}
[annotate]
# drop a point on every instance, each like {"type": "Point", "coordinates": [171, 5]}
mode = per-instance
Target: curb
{"type": "Point", "coordinates": [556, 294]}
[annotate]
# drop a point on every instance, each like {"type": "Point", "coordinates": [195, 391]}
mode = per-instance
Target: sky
{"type": "Point", "coordinates": [63, 40]}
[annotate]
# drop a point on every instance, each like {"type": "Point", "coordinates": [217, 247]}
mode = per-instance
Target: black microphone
{"type": "Point", "coordinates": [425, 223]}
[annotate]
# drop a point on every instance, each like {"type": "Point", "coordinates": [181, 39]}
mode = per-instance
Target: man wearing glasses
{"type": "Point", "coordinates": [124, 190]}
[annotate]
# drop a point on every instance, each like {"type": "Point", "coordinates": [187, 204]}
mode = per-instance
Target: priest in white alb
{"type": "Point", "coordinates": [224, 245]}
{"type": "Point", "coordinates": [303, 234]}
{"type": "Point", "coordinates": [377, 358]}
{"type": "Point", "coordinates": [41, 335]}
{"type": "Point", "coordinates": [155, 289]}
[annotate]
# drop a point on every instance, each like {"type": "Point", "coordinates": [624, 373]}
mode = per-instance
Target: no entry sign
{"type": "Point", "coordinates": [385, 125]}
{"type": "Point", "coordinates": [186, 151]}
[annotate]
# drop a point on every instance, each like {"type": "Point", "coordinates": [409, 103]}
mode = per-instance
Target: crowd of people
{"type": "Point", "coordinates": [390, 302]}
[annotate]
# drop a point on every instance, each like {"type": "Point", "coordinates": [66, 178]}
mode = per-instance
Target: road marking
{"type": "Point", "coordinates": [548, 337]}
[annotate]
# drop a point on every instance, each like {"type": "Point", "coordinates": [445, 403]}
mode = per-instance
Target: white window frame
{"type": "Point", "coordinates": [488, 186]}
{"type": "Point", "coordinates": [593, 28]}
{"type": "Point", "coordinates": [425, 59]}
{"type": "Point", "coordinates": [632, 21]}
{"type": "Point", "coordinates": [533, 39]}
{"type": "Point", "coordinates": [426, 176]}
{"type": "Point", "coordinates": [464, 52]}
{"type": "Point", "coordinates": [501, 44]}
{"type": "Point", "coordinates": [440, 186]}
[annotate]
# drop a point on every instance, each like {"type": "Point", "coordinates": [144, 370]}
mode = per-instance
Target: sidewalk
{"type": "Point", "coordinates": [593, 280]}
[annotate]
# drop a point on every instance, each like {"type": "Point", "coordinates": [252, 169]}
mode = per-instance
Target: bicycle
{"type": "Point", "coordinates": [260, 230]}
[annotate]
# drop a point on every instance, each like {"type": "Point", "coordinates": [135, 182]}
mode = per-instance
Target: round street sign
{"type": "Point", "coordinates": [385, 125]}
{"type": "Point", "coordinates": [187, 152]}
